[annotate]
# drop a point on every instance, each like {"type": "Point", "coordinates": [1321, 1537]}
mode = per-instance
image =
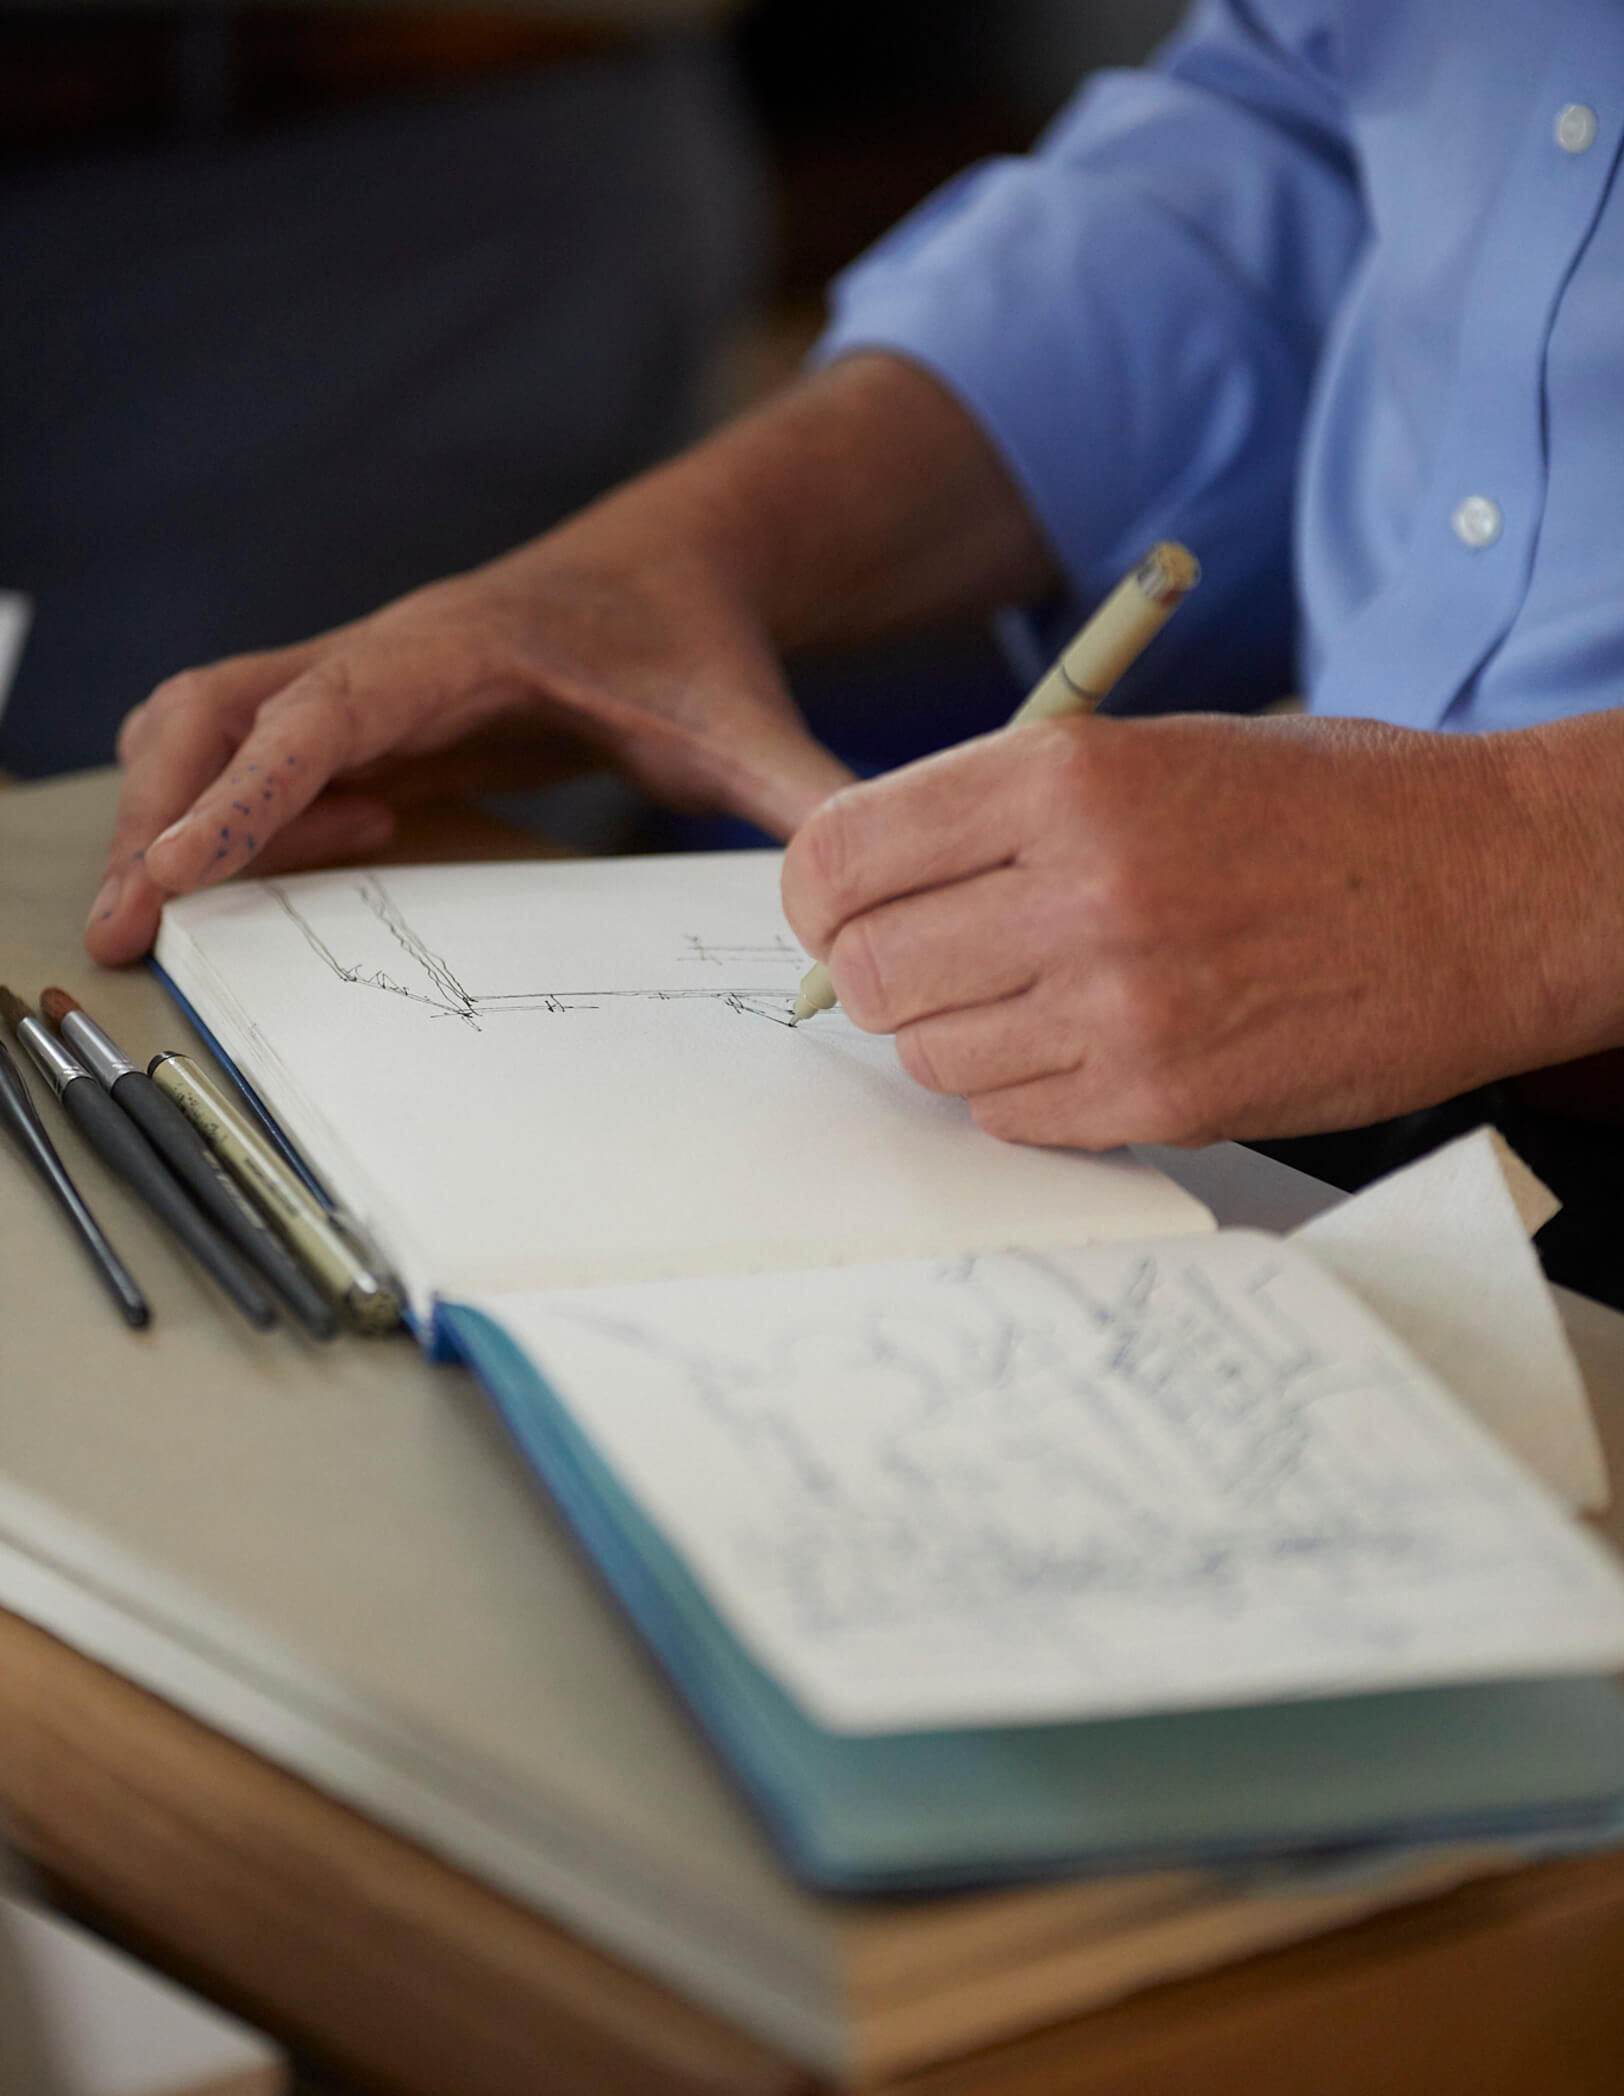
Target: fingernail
{"type": "Point", "coordinates": [107, 900]}
{"type": "Point", "coordinates": [165, 836]}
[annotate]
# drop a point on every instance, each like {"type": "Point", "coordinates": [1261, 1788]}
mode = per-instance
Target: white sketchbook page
{"type": "Point", "coordinates": [1072, 1484]}
{"type": "Point", "coordinates": [529, 1074]}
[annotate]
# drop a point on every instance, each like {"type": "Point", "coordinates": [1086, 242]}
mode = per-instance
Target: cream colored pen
{"type": "Point", "coordinates": [1114, 638]}
{"type": "Point", "coordinates": [364, 1296]}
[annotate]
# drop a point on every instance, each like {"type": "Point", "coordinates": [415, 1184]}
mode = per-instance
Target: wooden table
{"type": "Point", "coordinates": [361, 1950]}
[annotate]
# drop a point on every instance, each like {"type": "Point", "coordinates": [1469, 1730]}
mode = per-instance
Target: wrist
{"type": "Point", "coordinates": [1561, 873]}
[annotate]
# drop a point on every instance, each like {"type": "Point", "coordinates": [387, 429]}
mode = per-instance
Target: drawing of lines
{"type": "Point", "coordinates": [391, 957]}
{"type": "Point", "coordinates": [776, 949]}
{"type": "Point", "coordinates": [956, 1455]}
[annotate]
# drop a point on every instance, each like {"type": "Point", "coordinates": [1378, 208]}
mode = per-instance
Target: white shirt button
{"type": "Point", "coordinates": [1478, 522]}
{"type": "Point", "coordinates": [1576, 128]}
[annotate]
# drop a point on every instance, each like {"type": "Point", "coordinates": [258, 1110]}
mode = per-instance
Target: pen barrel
{"type": "Point", "coordinates": [189, 1157]}
{"type": "Point", "coordinates": [126, 1151]}
{"type": "Point", "coordinates": [1080, 677]}
{"type": "Point", "coordinates": [18, 1111]}
{"type": "Point", "coordinates": [1114, 638]}
{"type": "Point", "coordinates": [365, 1297]}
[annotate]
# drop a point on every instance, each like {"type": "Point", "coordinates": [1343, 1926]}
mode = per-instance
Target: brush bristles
{"type": "Point", "coordinates": [12, 1009]}
{"type": "Point", "coordinates": [56, 1005]}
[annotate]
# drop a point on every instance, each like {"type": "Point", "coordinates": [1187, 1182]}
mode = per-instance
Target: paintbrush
{"type": "Point", "coordinates": [121, 1145]}
{"type": "Point", "coordinates": [191, 1160]}
{"type": "Point", "coordinates": [21, 1116]}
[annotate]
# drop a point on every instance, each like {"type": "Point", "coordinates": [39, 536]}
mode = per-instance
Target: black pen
{"type": "Point", "coordinates": [122, 1146]}
{"type": "Point", "coordinates": [191, 1160]}
{"type": "Point", "coordinates": [21, 1116]}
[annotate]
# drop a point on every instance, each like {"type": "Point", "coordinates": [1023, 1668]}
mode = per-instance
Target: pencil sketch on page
{"type": "Point", "coordinates": [363, 937]}
{"type": "Point", "coordinates": [1024, 1484]}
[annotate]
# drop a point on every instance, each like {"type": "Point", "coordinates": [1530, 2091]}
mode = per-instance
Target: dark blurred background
{"type": "Point", "coordinates": [301, 306]}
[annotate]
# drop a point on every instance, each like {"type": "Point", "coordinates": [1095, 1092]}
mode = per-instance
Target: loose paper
{"type": "Point", "coordinates": [1440, 1252]}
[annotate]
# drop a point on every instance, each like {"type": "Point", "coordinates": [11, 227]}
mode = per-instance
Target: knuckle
{"type": "Point", "coordinates": [132, 732]}
{"type": "Point", "coordinates": [1007, 1115]}
{"type": "Point", "coordinates": [322, 716]}
{"type": "Point", "coordinates": [1066, 768]}
{"type": "Point", "coordinates": [832, 844]}
{"type": "Point", "coordinates": [921, 1057]}
{"type": "Point", "coordinates": [184, 693]}
{"type": "Point", "coordinates": [858, 963]}
{"type": "Point", "coordinates": [817, 881]}
{"type": "Point", "coordinates": [181, 693]}
{"type": "Point", "coordinates": [341, 700]}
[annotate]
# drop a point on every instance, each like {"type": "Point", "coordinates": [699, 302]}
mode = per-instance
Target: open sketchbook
{"type": "Point", "coordinates": [989, 1521]}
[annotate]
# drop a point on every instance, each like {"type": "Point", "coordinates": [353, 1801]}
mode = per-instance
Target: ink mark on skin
{"type": "Point", "coordinates": [242, 807]}
{"type": "Point", "coordinates": [250, 847]}
{"type": "Point", "coordinates": [265, 795]}
{"type": "Point", "coordinates": [225, 833]}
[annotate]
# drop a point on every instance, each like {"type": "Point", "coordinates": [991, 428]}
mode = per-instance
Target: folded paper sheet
{"type": "Point", "coordinates": [1440, 1252]}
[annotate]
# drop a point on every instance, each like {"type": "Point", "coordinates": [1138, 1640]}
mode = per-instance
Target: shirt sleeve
{"type": "Point", "coordinates": [1133, 314]}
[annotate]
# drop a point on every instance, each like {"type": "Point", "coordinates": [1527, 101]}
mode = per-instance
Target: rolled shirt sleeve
{"type": "Point", "coordinates": [1134, 314]}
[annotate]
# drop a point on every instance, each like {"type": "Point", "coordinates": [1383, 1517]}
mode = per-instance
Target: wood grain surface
{"type": "Point", "coordinates": [343, 1941]}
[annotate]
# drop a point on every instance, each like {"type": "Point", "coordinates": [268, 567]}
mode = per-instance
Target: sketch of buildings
{"type": "Point", "coordinates": [364, 938]}
{"type": "Point", "coordinates": [1006, 1438]}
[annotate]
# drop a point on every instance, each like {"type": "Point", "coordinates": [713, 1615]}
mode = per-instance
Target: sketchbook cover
{"type": "Point", "coordinates": [899, 1813]}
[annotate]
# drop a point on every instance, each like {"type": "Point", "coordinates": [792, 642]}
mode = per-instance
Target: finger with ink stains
{"type": "Point", "coordinates": [300, 738]}
{"type": "Point", "coordinates": [171, 746]}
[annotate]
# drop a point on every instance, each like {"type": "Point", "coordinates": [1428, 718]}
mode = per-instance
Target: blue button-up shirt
{"type": "Point", "coordinates": [1334, 291]}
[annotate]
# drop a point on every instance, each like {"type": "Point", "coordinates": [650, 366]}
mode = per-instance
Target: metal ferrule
{"type": "Point", "coordinates": [102, 1057]}
{"type": "Point", "coordinates": [14, 1092]}
{"type": "Point", "coordinates": [54, 1062]}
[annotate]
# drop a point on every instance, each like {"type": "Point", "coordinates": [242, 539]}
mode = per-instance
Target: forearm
{"type": "Point", "coordinates": [863, 501]}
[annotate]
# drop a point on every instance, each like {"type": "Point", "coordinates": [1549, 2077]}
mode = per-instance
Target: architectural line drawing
{"type": "Point", "coordinates": [415, 972]}
{"type": "Point", "coordinates": [1195, 1458]}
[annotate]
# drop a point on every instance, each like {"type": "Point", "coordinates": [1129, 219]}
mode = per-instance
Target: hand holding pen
{"type": "Point", "coordinates": [1083, 674]}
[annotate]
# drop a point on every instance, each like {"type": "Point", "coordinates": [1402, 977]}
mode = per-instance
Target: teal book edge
{"type": "Point", "coordinates": [932, 1810]}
